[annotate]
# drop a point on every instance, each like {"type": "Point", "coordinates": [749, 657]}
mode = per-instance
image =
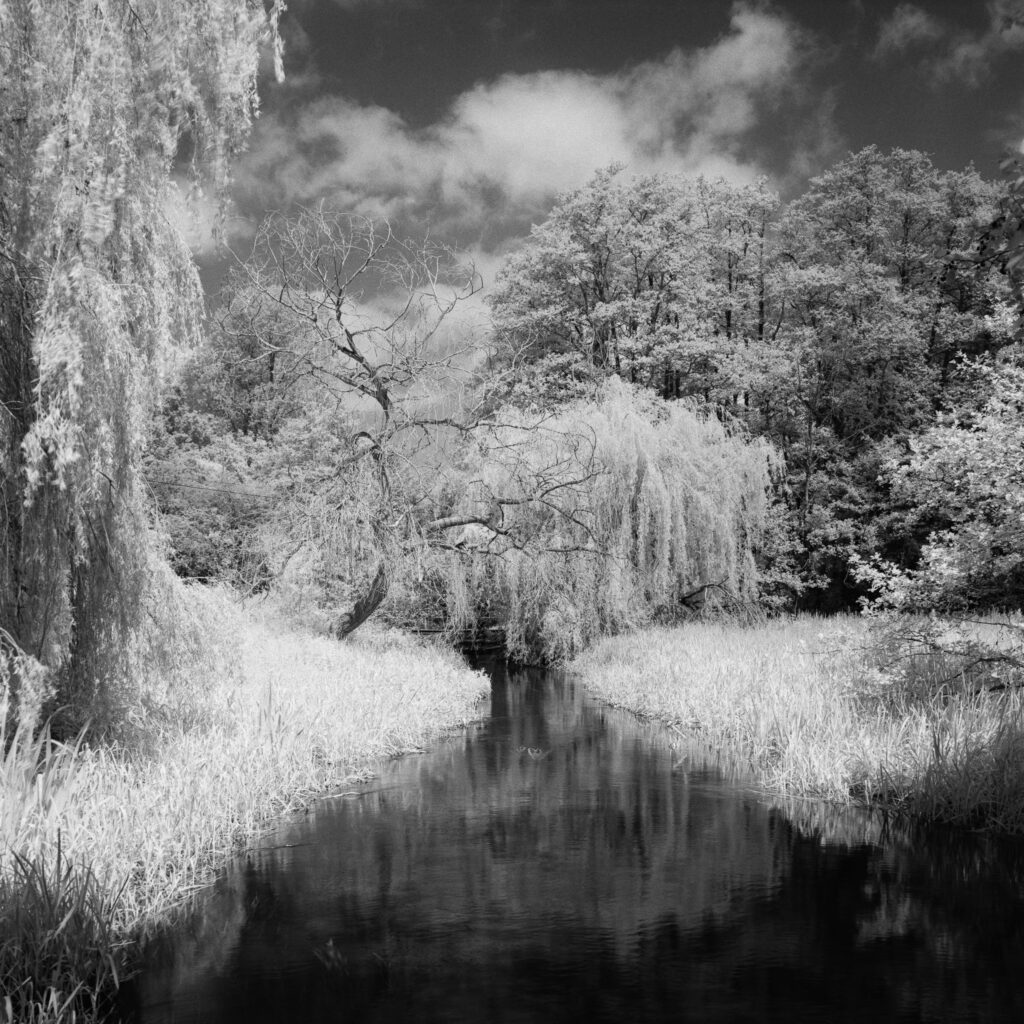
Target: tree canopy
{"type": "Point", "coordinates": [963, 480]}
{"type": "Point", "coordinates": [658, 280]}
{"type": "Point", "coordinates": [96, 287]}
{"type": "Point", "coordinates": [337, 366]}
{"type": "Point", "coordinates": [341, 432]}
{"type": "Point", "coordinates": [832, 327]}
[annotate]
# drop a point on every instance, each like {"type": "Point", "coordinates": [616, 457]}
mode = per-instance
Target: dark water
{"type": "Point", "coordinates": [558, 863]}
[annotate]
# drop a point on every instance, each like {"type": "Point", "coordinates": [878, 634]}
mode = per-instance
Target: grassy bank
{"type": "Point", "coordinates": [99, 842]}
{"type": "Point", "coordinates": [824, 707]}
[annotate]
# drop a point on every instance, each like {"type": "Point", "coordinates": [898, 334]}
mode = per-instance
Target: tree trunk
{"type": "Point", "coordinates": [17, 375]}
{"type": "Point", "coordinates": [365, 606]}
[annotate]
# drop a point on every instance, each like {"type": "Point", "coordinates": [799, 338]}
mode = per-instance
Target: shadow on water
{"type": "Point", "coordinates": [557, 862]}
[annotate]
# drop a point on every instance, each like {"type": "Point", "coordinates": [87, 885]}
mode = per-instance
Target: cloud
{"type": "Point", "coordinates": [507, 146]}
{"type": "Point", "coordinates": [195, 216]}
{"type": "Point", "coordinates": [970, 57]}
{"type": "Point", "coordinates": [907, 27]}
{"type": "Point", "coordinates": [695, 108]}
{"type": "Point", "coordinates": [957, 55]}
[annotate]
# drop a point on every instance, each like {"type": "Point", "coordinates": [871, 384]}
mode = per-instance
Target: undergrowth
{"type": "Point", "coordinates": [60, 954]}
{"type": "Point", "coordinates": [837, 708]}
{"type": "Point", "coordinates": [100, 840]}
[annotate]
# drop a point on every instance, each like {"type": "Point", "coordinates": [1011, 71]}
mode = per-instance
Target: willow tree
{"type": "Point", "coordinates": [615, 513]}
{"type": "Point", "coordinates": [96, 100]}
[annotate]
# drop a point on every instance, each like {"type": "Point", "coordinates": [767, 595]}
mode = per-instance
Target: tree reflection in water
{"type": "Point", "coordinates": [558, 862]}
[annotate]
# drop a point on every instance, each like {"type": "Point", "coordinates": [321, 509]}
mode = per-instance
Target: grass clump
{"type": "Point", "coordinates": [101, 840]}
{"type": "Point", "coordinates": [833, 708]}
{"type": "Point", "coordinates": [60, 956]}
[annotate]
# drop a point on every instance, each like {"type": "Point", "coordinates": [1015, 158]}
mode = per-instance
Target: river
{"type": "Point", "coordinates": [561, 861]}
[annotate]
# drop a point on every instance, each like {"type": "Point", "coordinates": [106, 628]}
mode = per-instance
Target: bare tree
{"type": "Point", "coordinates": [336, 312]}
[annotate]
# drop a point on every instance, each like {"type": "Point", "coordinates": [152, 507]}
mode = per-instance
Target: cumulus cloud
{"type": "Point", "coordinates": [970, 57]}
{"type": "Point", "coordinates": [696, 106]}
{"type": "Point", "coordinates": [954, 54]}
{"type": "Point", "coordinates": [507, 146]}
{"type": "Point", "coordinates": [195, 216]}
{"type": "Point", "coordinates": [908, 26]}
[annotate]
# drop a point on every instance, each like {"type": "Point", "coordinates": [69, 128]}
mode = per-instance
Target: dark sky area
{"type": "Point", "coordinates": [469, 116]}
{"type": "Point", "coordinates": [415, 57]}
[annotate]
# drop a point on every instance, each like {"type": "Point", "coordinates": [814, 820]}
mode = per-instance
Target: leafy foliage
{"type": "Point", "coordinates": [59, 953]}
{"type": "Point", "coordinates": [835, 330]}
{"type": "Point", "coordinates": [618, 511]}
{"type": "Point", "coordinates": [964, 477]}
{"type": "Point", "coordinates": [832, 328]}
{"type": "Point", "coordinates": [656, 280]}
{"type": "Point", "coordinates": [1003, 242]}
{"type": "Point", "coordinates": [876, 291]}
{"type": "Point", "coordinates": [95, 287]}
{"type": "Point", "coordinates": [212, 496]}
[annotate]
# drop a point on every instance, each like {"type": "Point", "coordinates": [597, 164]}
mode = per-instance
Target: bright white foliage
{"type": "Point", "coordinates": [629, 506]}
{"type": "Point", "coordinates": [95, 99]}
{"type": "Point", "coordinates": [966, 475]}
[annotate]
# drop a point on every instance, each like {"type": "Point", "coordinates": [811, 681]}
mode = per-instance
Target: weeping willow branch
{"type": "Point", "coordinates": [95, 288]}
{"type": "Point", "coordinates": [620, 512]}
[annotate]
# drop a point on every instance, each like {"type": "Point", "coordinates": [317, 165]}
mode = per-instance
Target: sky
{"type": "Point", "coordinates": [467, 117]}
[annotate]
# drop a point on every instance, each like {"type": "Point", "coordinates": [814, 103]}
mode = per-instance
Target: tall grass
{"type": "Point", "coordinates": [110, 837]}
{"type": "Point", "coordinates": [825, 708]}
{"type": "Point", "coordinates": [60, 954]}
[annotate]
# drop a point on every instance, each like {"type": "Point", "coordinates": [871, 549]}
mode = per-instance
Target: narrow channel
{"type": "Point", "coordinates": [560, 861]}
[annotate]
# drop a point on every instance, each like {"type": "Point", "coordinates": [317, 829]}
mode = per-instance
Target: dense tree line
{"type": "Point", "coordinates": [340, 438]}
{"type": "Point", "coordinates": [838, 327]}
{"type": "Point", "coordinates": [336, 440]}
{"type": "Point", "coordinates": [339, 432]}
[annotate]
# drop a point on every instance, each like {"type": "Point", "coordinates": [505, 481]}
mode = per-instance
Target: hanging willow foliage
{"type": "Point", "coordinates": [628, 509]}
{"type": "Point", "coordinates": [95, 287]}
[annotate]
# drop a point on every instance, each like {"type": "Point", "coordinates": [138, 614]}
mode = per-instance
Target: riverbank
{"type": "Point", "coordinates": [120, 835]}
{"type": "Point", "coordinates": [823, 708]}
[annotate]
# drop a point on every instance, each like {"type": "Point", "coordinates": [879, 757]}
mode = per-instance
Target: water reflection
{"type": "Point", "coordinates": [552, 865]}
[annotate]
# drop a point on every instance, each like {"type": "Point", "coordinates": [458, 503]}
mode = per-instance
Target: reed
{"type": "Point", "coordinates": [827, 708]}
{"type": "Point", "coordinates": [118, 834]}
{"type": "Point", "coordinates": [59, 956]}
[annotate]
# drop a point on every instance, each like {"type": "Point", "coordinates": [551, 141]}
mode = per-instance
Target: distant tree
{"type": "Point", "coordinates": [1003, 242]}
{"type": "Point", "coordinates": [211, 495]}
{"type": "Point", "coordinates": [877, 292]}
{"type": "Point", "coordinates": [657, 280]}
{"type": "Point", "coordinates": [878, 271]}
{"type": "Point", "coordinates": [234, 379]}
{"type": "Point", "coordinates": [95, 287]}
{"type": "Point", "coordinates": [964, 479]}
{"type": "Point", "coordinates": [958, 488]}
